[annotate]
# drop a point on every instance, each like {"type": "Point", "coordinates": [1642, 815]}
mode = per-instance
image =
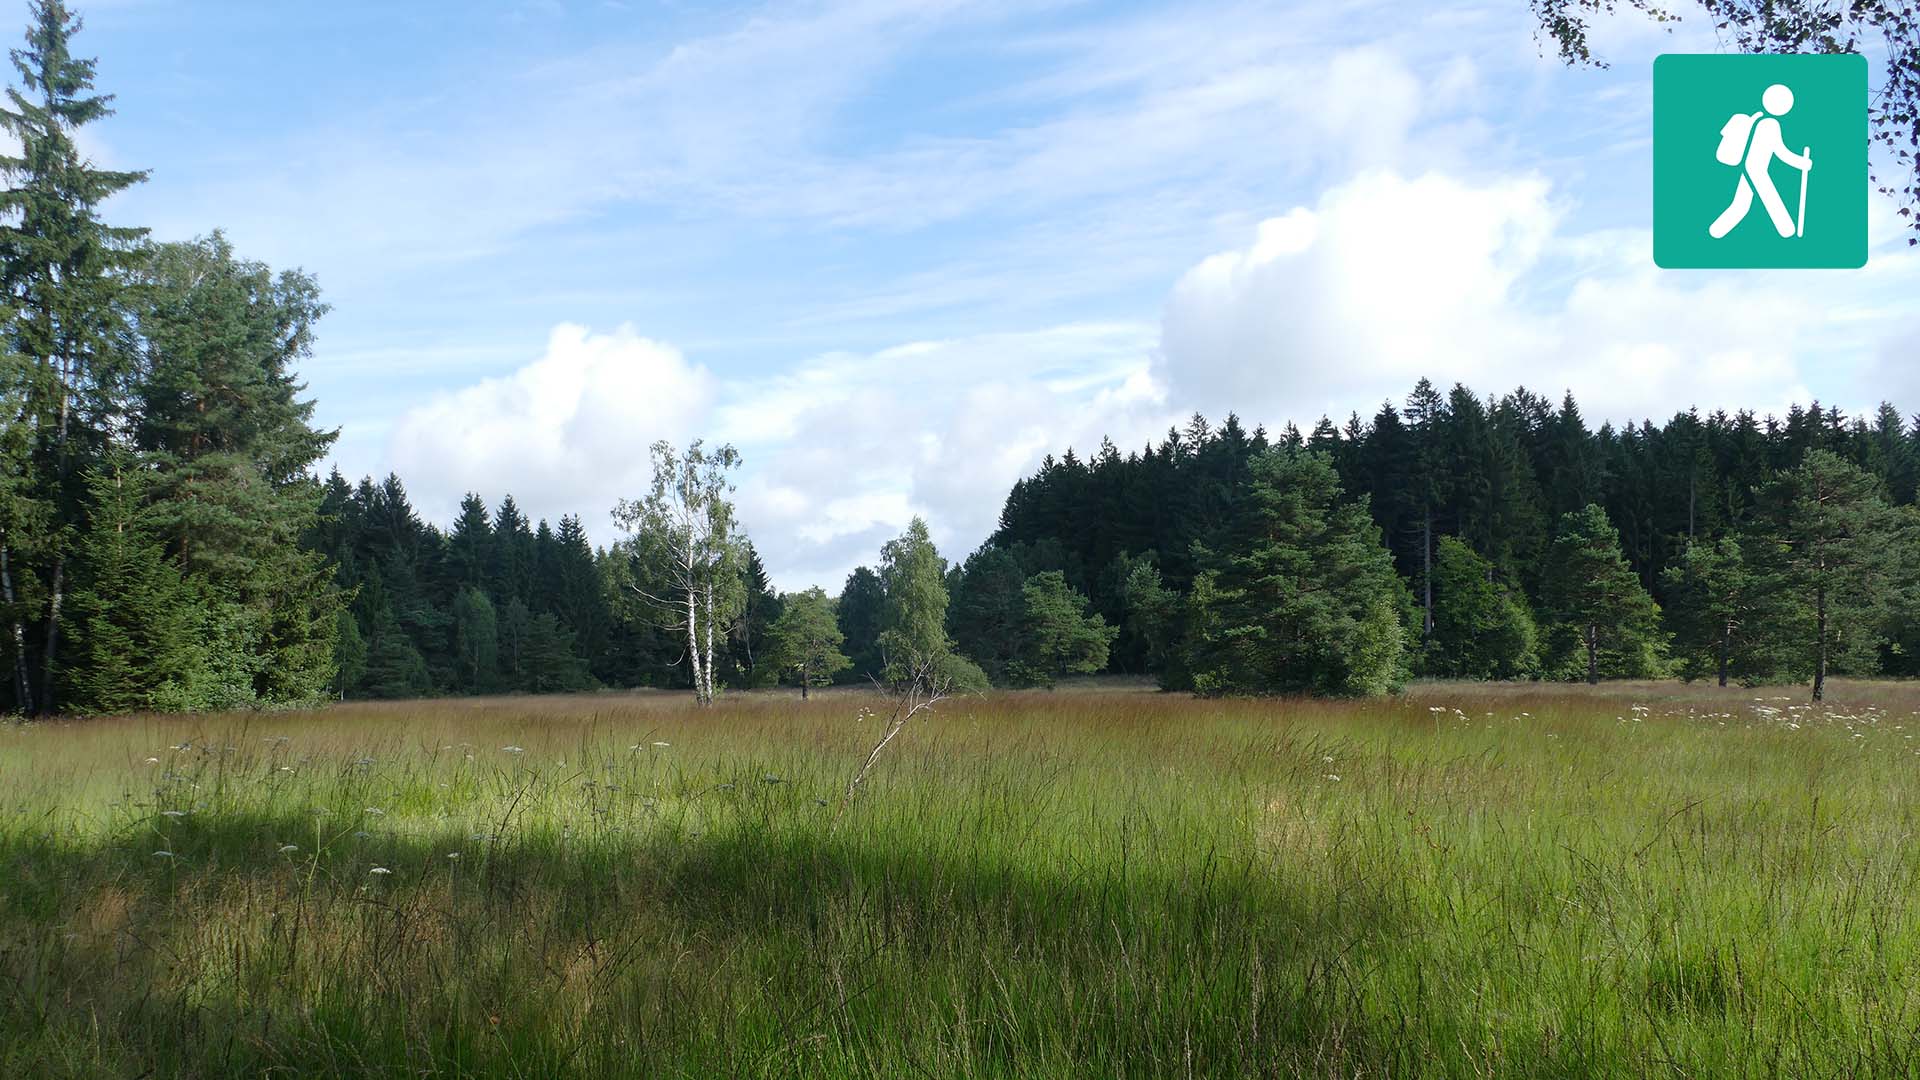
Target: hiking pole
{"type": "Point", "coordinates": [1800, 223]}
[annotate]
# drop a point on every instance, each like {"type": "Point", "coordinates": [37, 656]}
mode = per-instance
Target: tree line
{"type": "Point", "coordinates": [1493, 538]}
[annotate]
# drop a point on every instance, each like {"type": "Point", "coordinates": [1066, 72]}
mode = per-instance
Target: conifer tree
{"type": "Point", "coordinates": [1058, 636]}
{"type": "Point", "coordinates": [1839, 549]}
{"type": "Point", "coordinates": [859, 612]}
{"type": "Point", "coordinates": [1598, 600]}
{"type": "Point", "coordinates": [987, 611]}
{"type": "Point", "coordinates": [139, 628]}
{"type": "Point", "coordinates": [60, 269]}
{"type": "Point", "coordinates": [1481, 630]}
{"type": "Point", "coordinates": [805, 639]}
{"type": "Point", "coordinates": [1728, 618]}
{"type": "Point", "coordinates": [1299, 594]}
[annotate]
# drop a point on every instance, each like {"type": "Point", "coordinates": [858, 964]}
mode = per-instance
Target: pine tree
{"type": "Point", "coordinates": [1837, 546]}
{"type": "Point", "coordinates": [1598, 601]}
{"type": "Point", "coordinates": [1058, 636]}
{"type": "Point", "coordinates": [805, 639]}
{"type": "Point", "coordinates": [60, 267]}
{"type": "Point", "coordinates": [1298, 595]}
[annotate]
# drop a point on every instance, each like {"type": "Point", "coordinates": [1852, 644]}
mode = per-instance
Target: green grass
{"type": "Point", "coordinates": [1466, 881]}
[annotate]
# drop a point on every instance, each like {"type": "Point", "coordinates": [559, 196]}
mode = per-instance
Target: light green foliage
{"type": "Point", "coordinates": [805, 640]}
{"type": "Point", "coordinates": [476, 638]}
{"type": "Point", "coordinates": [1608, 626]}
{"type": "Point", "coordinates": [1058, 636]}
{"type": "Point", "coordinates": [1299, 597]}
{"type": "Point", "coordinates": [913, 635]}
{"type": "Point", "coordinates": [1481, 629]}
{"type": "Point", "coordinates": [1153, 616]}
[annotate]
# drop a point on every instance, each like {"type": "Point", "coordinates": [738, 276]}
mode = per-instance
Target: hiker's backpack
{"type": "Point", "coordinates": [1734, 136]}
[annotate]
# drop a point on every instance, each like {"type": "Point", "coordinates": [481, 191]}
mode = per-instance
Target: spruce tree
{"type": "Point", "coordinates": [61, 268]}
{"type": "Point", "coordinates": [139, 628]}
{"type": "Point", "coordinates": [1727, 617]}
{"type": "Point", "coordinates": [1598, 602]}
{"type": "Point", "coordinates": [861, 607]}
{"type": "Point", "coordinates": [985, 617]}
{"type": "Point", "coordinates": [1481, 629]}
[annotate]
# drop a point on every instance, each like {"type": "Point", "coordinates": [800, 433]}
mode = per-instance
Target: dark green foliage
{"type": "Point", "coordinates": [548, 663]}
{"type": "Point", "coordinates": [1729, 619]}
{"type": "Point", "coordinates": [394, 667]}
{"type": "Point", "coordinates": [62, 273]}
{"type": "Point", "coordinates": [988, 610]}
{"type": "Point", "coordinates": [1844, 557]}
{"type": "Point", "coordinates": [1481, 628]}
{"type": "Point", "coordinates": [1298, 596]}
{"type": "Point", "coordinates": [1606, 624]}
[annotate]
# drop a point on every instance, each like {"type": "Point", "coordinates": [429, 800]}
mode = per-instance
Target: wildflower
{"type": "Point", "coordinates": [453, 855]}
{"type": "Point", "coordinates": [376, 811]}
{"type": "Point", "coordinates": [153, 761]}
{"type": "Point", "coordinates": [1328, 758]}
{"type": "Point", "coordinates": [1335, 777]}
{"type": "Point", "coordinates": [381, 870]}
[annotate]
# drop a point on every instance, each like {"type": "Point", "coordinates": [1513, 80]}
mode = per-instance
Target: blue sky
{"type": "Point", "coordinates": [898, 251]}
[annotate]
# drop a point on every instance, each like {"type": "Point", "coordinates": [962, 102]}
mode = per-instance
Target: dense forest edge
{"type": "Point", "coordinates": [167, 544]}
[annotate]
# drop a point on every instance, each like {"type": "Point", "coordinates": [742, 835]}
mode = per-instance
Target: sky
{"type": "Point", "coordinates": [897, 252]}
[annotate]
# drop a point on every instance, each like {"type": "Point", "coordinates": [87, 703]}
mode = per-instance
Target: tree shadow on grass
{"type": "Point", "coordinates": [745, 951]}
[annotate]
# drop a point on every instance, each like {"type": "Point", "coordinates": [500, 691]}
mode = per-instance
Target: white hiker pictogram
{"type": "Point", "coordinates": [1752, 141]}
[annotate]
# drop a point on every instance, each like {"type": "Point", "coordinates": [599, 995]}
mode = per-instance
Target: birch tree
{"type": "Point", "coordinates": [684, 535]}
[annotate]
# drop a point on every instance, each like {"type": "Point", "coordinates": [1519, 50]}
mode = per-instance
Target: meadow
{"type": "Point", "coordinates": [1629, 880]}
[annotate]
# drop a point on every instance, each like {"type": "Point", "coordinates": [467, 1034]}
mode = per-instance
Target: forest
{"type": "Point", "coordinates": [167, 542]}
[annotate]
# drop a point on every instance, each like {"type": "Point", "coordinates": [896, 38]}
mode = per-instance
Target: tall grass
{"type": "Point", "coordinates": [1466, 881]}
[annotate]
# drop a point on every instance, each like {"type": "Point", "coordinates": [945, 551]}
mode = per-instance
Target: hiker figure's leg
{"type": "Point", "coordinates": [1735, 212]}
{"type": "Point", "coordinates": [1770, 198]}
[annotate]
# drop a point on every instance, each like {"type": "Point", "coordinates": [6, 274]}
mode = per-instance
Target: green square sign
{"type": "Point", "coordinates": [1759, 161]}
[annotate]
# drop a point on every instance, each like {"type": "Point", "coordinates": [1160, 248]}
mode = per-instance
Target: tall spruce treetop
{"type": "Point", "coordinates": [57, 257]}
